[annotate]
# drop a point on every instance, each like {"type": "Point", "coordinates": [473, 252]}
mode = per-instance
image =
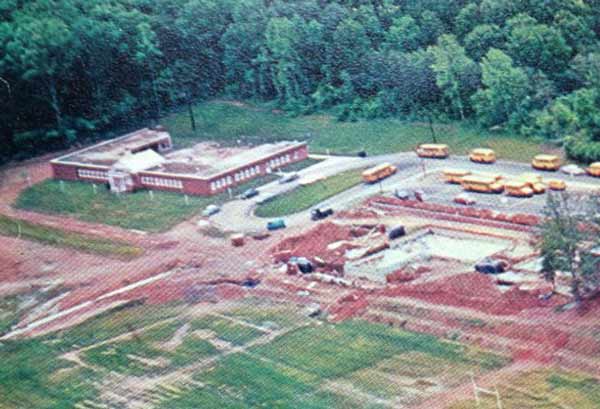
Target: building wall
{"type": "Point", "coordinates": [189, 185]}
{"type": "Point", "coordinates": [252, 170]}
{"type": "Point", "coordinates": [93, 174]}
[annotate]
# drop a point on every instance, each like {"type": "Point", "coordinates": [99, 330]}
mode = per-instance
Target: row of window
{"type": "Point", "coordinates": [148, 180]}
{"type": "Point", "coordinates": [92, 174]}
{"type": "Point", "coordinates": [250, 172]}
{"type": "Point", "coordinates": [282, 160]}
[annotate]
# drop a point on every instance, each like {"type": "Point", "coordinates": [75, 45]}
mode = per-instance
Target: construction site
{"type": "Point", "coordinates": [388, 303]}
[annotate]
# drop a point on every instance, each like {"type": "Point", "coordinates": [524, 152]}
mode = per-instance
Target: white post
{"type": "Point", "coordinates": [475, 390]}
{"type": "Point", "coordinates": [498, 401]}
{"type": "Point", "coordinates": [151, 193]}
{"type": "Point", "coordinates": [95, 188]}
{"type": "Point", "coordinates": [328, 154]}
{"type": "Point", "coordinates": [62, 186]}
{"type": "Point", "coordinates": [187, 199]}
{"type": "Point", "coordinates": [230, 192]}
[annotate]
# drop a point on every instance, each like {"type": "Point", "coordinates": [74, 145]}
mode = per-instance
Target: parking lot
{"type": "Point", "coordinates": [436, 190]}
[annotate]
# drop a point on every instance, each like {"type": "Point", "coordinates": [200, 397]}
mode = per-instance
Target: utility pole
{"type": "Point", "coordinates": [188, 101]}
{"type": "Point", "coordinates": [430, 116]}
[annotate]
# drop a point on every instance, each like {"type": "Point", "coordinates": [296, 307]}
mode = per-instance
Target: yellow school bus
{"type": "Point", "coordinates": [556, 184]}
{"type": "Point", "coordinates": [482, 184]}
{"type": "Point", "coordinates": [546, 162]}
{"type": "Point", "coordinates": [594, 169]}
{"type": "Point", "coordinates": [454, 175]}
{"type": "Point", "coordinates": [378, 172]}
{"type": "Point", "coordinates": [482, 155]}
{"type": "Point", "coordinates": [518, 188]}
{"type": "Point", "coordinates": [433, 150]}
{"type": "Point", "coordinates": [534, 181]}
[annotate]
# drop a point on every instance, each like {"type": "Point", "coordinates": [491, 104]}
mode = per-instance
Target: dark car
{"type": "Point", "coordinates": [396, 232]}
{"type": "Point", "coordinates": [489, 266]}
{"type": "Point", "coordinates": [249, 193]}
{"type": "Point", "coordinates": [361, 154]}
{"type": "Point", "coordinates": [318, 214]}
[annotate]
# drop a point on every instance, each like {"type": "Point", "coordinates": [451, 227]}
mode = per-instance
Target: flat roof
{"type": "Point", "coordinates": [203, 160]}
{"type": "Point", "coordinates": [110, 152]}
{"type": "Point", "coordinates": [208, 159]}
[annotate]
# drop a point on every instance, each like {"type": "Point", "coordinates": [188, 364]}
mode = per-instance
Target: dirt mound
{"type": "Point", "coordinates": [472, 290]}
{"type": "Point", "coordinates": [315, 242]}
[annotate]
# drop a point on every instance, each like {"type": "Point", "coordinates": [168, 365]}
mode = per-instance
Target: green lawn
{"type": "Point", "coordinates": [57, 237]}
{"type": "Point", "coordinates": [227, 330]}
{"type": "Point", "coordinates": [292, 370]}
{"type": "Point", "coordinates": [230, 122]}
{"type": "Point", "coordinates": [544, 388]}
{"type": "Point", "coordinates": [141, 210]}
{"type": "Point", "coordinates": [304, 197]}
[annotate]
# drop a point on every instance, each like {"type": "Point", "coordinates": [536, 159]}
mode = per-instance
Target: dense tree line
{"type": "Point", "coordinates": [69, 68]}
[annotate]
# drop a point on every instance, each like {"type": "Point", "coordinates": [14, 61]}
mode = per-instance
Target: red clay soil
{"type": "Point", "coordinates": [471, 290]}
{"type": "Point", "coordinates": [452, 212]}
{"type": "Point", "coordinates": [314, 242]}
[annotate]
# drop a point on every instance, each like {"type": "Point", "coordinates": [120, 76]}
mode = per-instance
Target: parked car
{"type": "Point", "coordinates": [489, 266]}
{"type": "Point", "coordinates": [318, 214]}
{"type": "Point", "coordinates": [249, 193]}
{"type": "Point", "coordinates": [419, 195]}
{"type": "Point", "coordinates": [210, 210]}
{"type": "Point", "coordinates": [361, 154]}
{"type": "Point", "coordinates": [304, 265]}
{"type": "Point", "coordinates": [464, 199]}
{"type": "Point", "coordinates": [396, 232]}
{"type": "Point", "coordinates": [402, 194]}
{"type": "Point", "coordinates": [288, 177]}
{"type": "Point", "coordinates": [276, 224]}
{"type": "Point", "coordinates": [573, 170]}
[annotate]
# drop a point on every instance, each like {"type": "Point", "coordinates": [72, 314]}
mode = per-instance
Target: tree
{"type": "Point", "coordinates": [482, 38]}
{"type": "Point", "coordinates": [43, 49]}
{"type": "Point", "coordinates": [569, 237]}
{"type": "Point", "coordinates": [505, 90]}
{"type": "Point", "coordinates": [403, 35]}
{"type": "Point", "coordinates": [456, 74]}
{"type": "Point", "coordinates": [537, 45]}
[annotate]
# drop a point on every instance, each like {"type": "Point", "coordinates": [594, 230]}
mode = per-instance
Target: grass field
{"type": "Point", "coordinates": [543, 389]}
{"type": "Point", "coordinates": [139, 210]}
{"type": "Point", "coordinates": [308, 364]}
{"type": "Point", "coordinates": [61, 238]}
{"type": "Point", "coordinates": [304, 197]}
{"type": "Point", "coordinates": [230, 122]}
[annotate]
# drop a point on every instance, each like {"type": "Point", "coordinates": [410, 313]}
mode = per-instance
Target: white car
{"type": "Point", "coordinates": [210, 210]}
{"type": "Point", "coordinates": [572, 170]}
{"type": "Point", "coordinates": [288, 177]}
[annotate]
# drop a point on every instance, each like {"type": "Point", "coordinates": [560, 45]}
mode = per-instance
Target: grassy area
{"type": "Point", "coordinates": [230, 122]}
{"type": "Point", "coordinates": [141, 210]}
{"type": "Point", "coordinates": [304, 197]}
{"type": "Point", "coordinates": [293, 370]}
{"type": "Point", "coordinates": [226, 330]}
{"type": "Point", "coordinates": [544, 388]}
{"type": "Point", "coordinates": [61, 238]}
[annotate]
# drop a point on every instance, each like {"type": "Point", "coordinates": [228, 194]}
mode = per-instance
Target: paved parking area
{"type": "Point", "coordinates": [438, 191]}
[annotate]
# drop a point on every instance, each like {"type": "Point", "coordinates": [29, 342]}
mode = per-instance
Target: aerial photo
{"type": "Point", "coordinates": [299, 204]}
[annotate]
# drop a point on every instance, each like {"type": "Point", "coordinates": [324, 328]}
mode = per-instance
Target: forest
{"type": "Point", "coordinates": [76, 69]}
